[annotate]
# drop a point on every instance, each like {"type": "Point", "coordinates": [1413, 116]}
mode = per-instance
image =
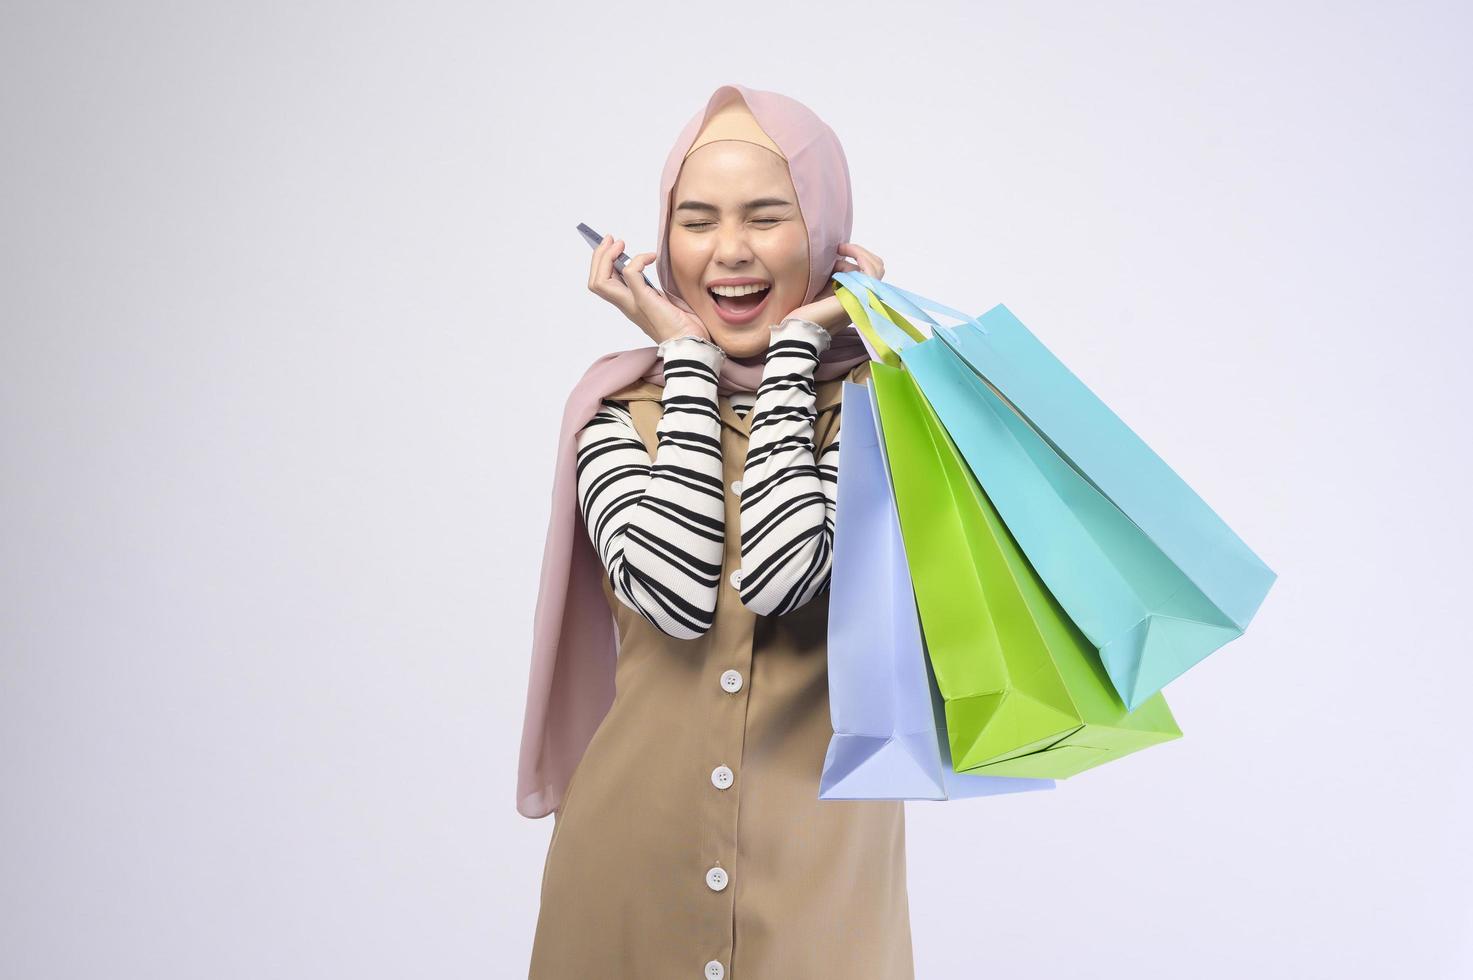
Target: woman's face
{"type": "Point", "coordinates": [735, 219]}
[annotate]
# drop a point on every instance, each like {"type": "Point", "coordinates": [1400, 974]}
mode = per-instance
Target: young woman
{"type": "Point", "coordinates": [679, 741]}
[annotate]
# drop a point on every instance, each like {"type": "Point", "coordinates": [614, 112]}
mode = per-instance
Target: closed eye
{"type": "Point", "coordinates": [706, 224]}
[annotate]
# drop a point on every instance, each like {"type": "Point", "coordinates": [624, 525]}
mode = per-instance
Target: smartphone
{"type": "Point", "coordinates": [594, 239]}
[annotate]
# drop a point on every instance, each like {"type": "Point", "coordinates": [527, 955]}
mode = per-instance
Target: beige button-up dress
{"type": "Point", "coordinates": [691, 842]}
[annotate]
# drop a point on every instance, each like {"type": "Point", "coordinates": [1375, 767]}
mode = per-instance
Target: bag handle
{"type": "Point", "coordinates": [881, 338]}
{"type": "Point", "coordinates": [913, 304]}
{"type": "Point", "coordinates": [876, 348]}
{"type": "Point", "coordinates": [878, 324]}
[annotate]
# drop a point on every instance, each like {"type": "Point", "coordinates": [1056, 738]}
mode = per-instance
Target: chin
{"type": "Point", "coordinates": [741, 341]}
{"type": "Point", "coordinates": [738, 340]}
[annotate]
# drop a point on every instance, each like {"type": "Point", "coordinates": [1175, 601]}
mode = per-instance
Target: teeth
{"type": "Point", "coordinates": [738, 290]}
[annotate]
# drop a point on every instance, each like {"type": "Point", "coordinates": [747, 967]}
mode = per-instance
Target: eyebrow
{"type": "Point", "coordinates": [761, 202]}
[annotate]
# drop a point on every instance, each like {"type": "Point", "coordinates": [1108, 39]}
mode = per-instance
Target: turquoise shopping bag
{"type": "Point", "coordinates": [1145, 569]}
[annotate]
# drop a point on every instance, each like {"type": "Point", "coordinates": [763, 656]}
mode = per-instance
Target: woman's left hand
{"type": "Point", "coordinates": [826, 310]}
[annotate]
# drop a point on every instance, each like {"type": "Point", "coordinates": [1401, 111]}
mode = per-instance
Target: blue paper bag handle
{"type": "Point", "coordinates": [892, 334]}
{"type": "Point", "coordinates": [894, 338]}
{"type": "Point", "coordinates": [907, 302]}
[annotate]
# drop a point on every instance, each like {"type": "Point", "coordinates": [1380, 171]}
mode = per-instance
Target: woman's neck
{"type": "Point", "coordinates": [749, 360]}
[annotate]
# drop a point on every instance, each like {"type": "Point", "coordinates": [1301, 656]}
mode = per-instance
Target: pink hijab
{"type": "Point", "coordinates": [574, 642]}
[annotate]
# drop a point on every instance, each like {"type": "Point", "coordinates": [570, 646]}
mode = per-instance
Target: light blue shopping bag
{"type": "Point", "coordinates": [888, 717]}
{"type": "Point", "coordinates": [1146, 570]}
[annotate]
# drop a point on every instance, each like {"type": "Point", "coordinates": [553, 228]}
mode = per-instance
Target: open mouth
{"type": "Point", "coordinates": [743, 307]}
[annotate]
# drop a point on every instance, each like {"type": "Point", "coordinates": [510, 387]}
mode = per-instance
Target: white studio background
{"type": "Point", "coordinates": [291, 301]}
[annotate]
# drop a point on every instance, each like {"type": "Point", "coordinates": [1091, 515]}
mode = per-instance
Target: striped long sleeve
{"type": "Point", "coordinates": [659, 527]}
{"type": "Point", "coordinates": [788, 497]}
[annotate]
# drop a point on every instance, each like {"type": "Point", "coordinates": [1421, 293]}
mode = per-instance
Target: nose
{"type": "Point", "coordinates": [732, 247]}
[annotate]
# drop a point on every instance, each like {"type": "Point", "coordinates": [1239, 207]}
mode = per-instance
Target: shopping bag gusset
{"type": "Point", "coordinates": [1151, 575]}
{"type": "Point", "coordinates": [887, 743]}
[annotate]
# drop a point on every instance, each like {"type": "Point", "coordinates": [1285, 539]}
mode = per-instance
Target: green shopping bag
{"type": "Point", "coordinates": [1025, 692]}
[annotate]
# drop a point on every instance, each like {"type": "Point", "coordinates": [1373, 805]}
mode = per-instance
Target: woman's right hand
{"type": "Point", "coordinates": [659, 318]}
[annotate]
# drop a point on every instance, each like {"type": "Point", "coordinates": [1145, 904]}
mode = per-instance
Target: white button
{"type": "Point", "coordinates": [721, 777]}
{"type": "Point", "coordinates": [714, 970]}
{"type": "Point", "coordinates": [736, 487]}
{"type": "Point", "coordinates": [731, 681]}
{"type": "Point", "coordinates": [716, 879]}
{"type": "Point", "coordinates": [736, 578]}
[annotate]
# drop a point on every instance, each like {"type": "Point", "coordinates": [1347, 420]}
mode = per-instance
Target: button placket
{"type": "Point", "coordinates": [727, 734]}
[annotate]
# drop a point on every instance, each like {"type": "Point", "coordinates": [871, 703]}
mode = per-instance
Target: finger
{"type": "Point", "coordinates": [616, 248]}
{"type": "Point", "coordinates": [869, 262]}
{"type": "Point", "coordinates": [872, 264]}
{"type": "Point", "coordinates": [614, 291]}
{"type": "Point", "coordinates": [598, 271]}
{"type": "Point", "coordinates": [593, 262]}
{"type": "Point", "coordinates": [866, 268]}
{"type": "Point", "coordinates": [607, 283]}
{"type": "Point", "coordinates": [633, 269]}
{"type": "Point", "coordinates": [631, 285]}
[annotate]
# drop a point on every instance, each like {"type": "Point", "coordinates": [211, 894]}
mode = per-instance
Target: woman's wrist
{"type": "Point", "coordinates": [827, 313]}
{"type": "Point", "coordinates": [799, 328]}
{"type": "Point", "coordinates": [692, 344]}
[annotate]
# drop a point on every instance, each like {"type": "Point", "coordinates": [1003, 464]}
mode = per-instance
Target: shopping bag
{"type": "Point", "coordinates": [1144, 567]}
{"type": "Point", "coordinates": [1025, 693]}
{"type": "Point", "coordinates": [887, 717]}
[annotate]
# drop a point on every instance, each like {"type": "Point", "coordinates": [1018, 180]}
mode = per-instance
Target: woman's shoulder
{"type": "Point", "coordinates": [605, 372]}
{"type": "Point", "coordinates": [831, 392]}
{"type": "Point", "coordinates": [639, 391]}
{"type": "Point", "coordinates": [616, 405]}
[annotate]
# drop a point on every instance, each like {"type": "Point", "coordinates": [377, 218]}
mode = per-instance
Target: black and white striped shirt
{"type": "Point", "coordinates": [659, 526]}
